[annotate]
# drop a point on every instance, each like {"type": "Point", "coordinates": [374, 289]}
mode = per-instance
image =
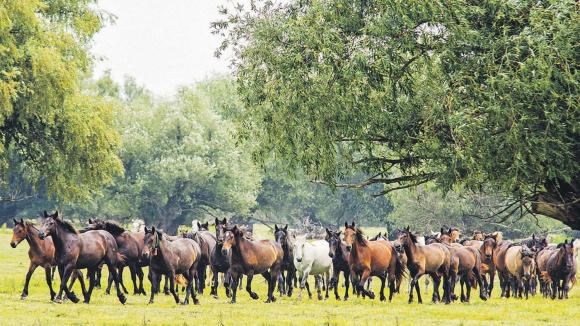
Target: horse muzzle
{"type": "Point", "coordinates": [348, 248]}
{"type": "Point", "coordinates": [220, 241]}
{"type": "Point", "coordinates": [225, 252]}
{"type": "Point", "coordinates": [298, 259]}
{"type": "Point", "coordinates": [487, 256]}
{"type": "Point", "coordinates": [568, 267]}
{"type": "Point", "coordinates": [41, 235]}
{"type": "Point", "coordinates": [331, 254]}
{"type": "Point", "coordinates": [399, 249]}
{"type": "Point", "coordinates": [145, 255]}
{"type": "Point", "coordinates": [13, 244]}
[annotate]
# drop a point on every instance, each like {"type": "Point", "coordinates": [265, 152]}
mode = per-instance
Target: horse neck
{"type": "Point", "coordinates": [242, 245]}
{"type": "Point", "coordinates": [61, 236]}
{"type": "Point", "coordinates": [32, 237]}
{"type": "Point", "coordinates": [410, 249]}
{"type": "Point", "coordinates": [358, 248]}
{"type": "Point", "coordinates": [341, 251]}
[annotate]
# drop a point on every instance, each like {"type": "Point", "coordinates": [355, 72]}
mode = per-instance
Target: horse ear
{"type": "Point", "coordinates": [327, 231]}
{"type": "Point", "coordinates": [353, 224]}
{"type": "Point", "coordinates": [56, 214]}
{"type": "Point", "coordinates": [346, 224]}
{"type": "Point", "coordinates": [286, 227]}
{"type": "Point", "coordinates": [21, 221]}
{"type": "Point", "coordinates": [153, 229]}
{"type": "Point", "coordinates": [276, 227]}
{"type": "Point", "coordinates": [338, 232]}
{"type": "Point", "coordinates": [566, 241]}
{"type": "Point", "coordinates": [146, 229]}
{"type": "Point", "coordinates": [216, 221]}
{"type": "Point", "coordinates": [198, 225]}
{"type": "Point", "coordinates": [90, 221]}
{"type": "Point", "coordinates": [408, 228]}
{"type": "Point", "coordinates": [45, 214]}
{"type": "Point", "coordinates": [16, 222]}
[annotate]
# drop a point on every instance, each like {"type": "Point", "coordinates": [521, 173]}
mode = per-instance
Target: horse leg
{"type": "Point", "coordinates": [382, 291]}
{"type": "Point", "coordinates": [111, 264]}
{"type": "Point", "coordinates": [154, 279]}
{"type": "Point", "coordinates": [491, 281]}
{"type": "Point", "coordinates": [346, 284]}
{"type": "Point", "coordinates": [78, 275]}
{"type": "Point", "coordinates": [120, 275]}
{"type": "Point", "coordinates": [250, 276]}
{"type": "Point", "coordinates": [47, 271]}
{"type": "Point", "coordinates": [234, 279]}
{"type": "Point", "coordinates": [462, 283]}
{"type": "Point", "coordinates": [318, 282]}
{"type": "Point", "coordinates": [327, 274]}
{"type": "Point", "coordinates": [165, 286]}
{"type": "Point", "coordinates": [91, 274]}
{"type": "Point", "coordinates": [31, 269]}
{"type": "Point", "coordinates": [215, 282]}
{"type": "Point", "coordinates": [302, 283]}
{"type": "Point", "coordinates": [361, 284]}
{"type": "Point", "coordinates": [290, 276]}
{"type": "Point", "coordinates": [67, 271]}
{"type": "Point", "coordinates": [436, 282]}
{"type": "Point", "coordinates": [271, 286]}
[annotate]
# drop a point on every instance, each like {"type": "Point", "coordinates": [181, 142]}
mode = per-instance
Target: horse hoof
{"type": "Point", "coordinates": [215, 296]}
{"type": "Point", "coordinates": [107, 292]}
{"type": "Point", "coordinates": [196, 302]}
{"type": "Point", "coordinates": [372, 296]}
{"type": "Point", "coordinates": [122, 299]}
{"type": "Point", "coordinates": [22, 297]}
{"type": "Point", "coordinates": [320, 297]}
{"type": "Point", "coordinates": [254, 296]}
{"type": "Point", "coordinates": [232, 302]}
{"type": "Point", "coordinates": [57, 300]}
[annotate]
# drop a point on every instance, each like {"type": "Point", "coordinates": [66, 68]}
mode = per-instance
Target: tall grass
{"type": "Point", "coordinates": [106, 309]}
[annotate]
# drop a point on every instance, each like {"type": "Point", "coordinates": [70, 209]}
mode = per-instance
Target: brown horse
{"type": "Point", "coordinates": [130, 245]}
{"type": "Point", "coordinates": [252, 257]}
{"type": "Point", "coordinates": [78, 251]}
{"type": "Point", "coordinates": [171, 258]}
{"type": "Point", "coordinates": [206, 241]}
{"type": "Point", "coordinates": [541, 269]}
{"type": "Point", "coordinates": [562, 268]}
{"type": "Point", "coordinates": [371, 258]}
{"type": "Point", "coordinates": [41, 253]}
{"type": "Point", "coordinates": [433, 259]}
{"type": "Point", "coordinates": [519, 261]}
{"type": "Point", "coordinates": [478, 235]}
{"type": "Point", "coordinates": [489, 259]}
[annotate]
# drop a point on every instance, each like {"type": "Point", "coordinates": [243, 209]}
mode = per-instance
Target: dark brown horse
{"type": "Point", "coordinates": [433, 259]}
{"type": "Point", "coordinates": [41, 253]}
{"type": "Point", "coordinates": [339, 257]}
{"type": "Point", "coordinates": [78, 251]}
{"type": "Point", "coordinates": [130, 245]}
{"type": "Point", "coordinates": [219, 262]}
{"type": "Point", "coordinates": [371, 258]}
{"type": "Point", "coordinates": [207, 242]}
{"type": "Point", "coordinates": [252, 257]}
{"type": "Point", "coordinates": [171, 258]}
{"type": "Point", "coordinates": [282, 236]}
{"type": "Point", "coordinates": [562, 268]}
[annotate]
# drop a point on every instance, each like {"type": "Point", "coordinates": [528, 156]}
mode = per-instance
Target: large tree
{"type": "Point", "coordinates": [469, 94]}
{"type": "Point", "coordinates": [51, 132]}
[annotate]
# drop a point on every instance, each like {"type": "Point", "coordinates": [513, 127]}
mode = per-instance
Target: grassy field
{"type": "Point", "coordinates": [106, 310]}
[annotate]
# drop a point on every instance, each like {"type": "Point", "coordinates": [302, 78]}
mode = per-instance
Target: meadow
{"type": "Point", "coordinates": [106, 309]}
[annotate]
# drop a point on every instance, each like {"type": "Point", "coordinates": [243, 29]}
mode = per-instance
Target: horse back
{"type": "Point", "coordinates": [257, 255]}
{"type": "Point", "coordinates": [382, 254]}
{"type": "Point", "coordinates": [94, 247]}
{"type": "Point", "coordinates": [513, 260]}
{"type": "Point", "coordinates": [185, 252]}
{"type": "Point", "coordinates": [434, 256]}
{"type": "Point", "coordinates": [319, 259]}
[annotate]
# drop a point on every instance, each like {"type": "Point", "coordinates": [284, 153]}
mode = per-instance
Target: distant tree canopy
{"type": "Point", "coordinates": [469, 94]}
{"type": "Point", "coordinates": [52, 134]}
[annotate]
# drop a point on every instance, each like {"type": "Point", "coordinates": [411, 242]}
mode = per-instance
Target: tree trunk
{"type": "Point", "coordinates": [172, 218]}
{"type": "Point", "coordinates": [560, 201]}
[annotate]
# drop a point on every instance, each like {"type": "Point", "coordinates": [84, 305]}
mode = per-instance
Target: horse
{"type": "Point", "coordinates": [478, 235]}
{"type": "Point", "coordinates": [203, 227]}
{"type": "Point", "coordinates": [282, 236]}
{"type": "Point", "coordinates": [251, 257]}
{"type": "Point", "coordinates": [138, 226]}
{"type": "Point", "coordinates": [130, 245]}
{"type": "Point", "coordinates": [206, 241]}
{"type": "Point", "coordinates": [40, 253]}
{"type": "Point", "coordinates": [171, 258]}
{"type": "Point", "coordinates": [449, 237]}
{"type": "Point", "coordinates": [337, 251]}
{"type": "Point", "coordinates": [466, 263]}
{"type": "Point", "coordinates": [78, 251]}
{"type": "Point", "coordinates": [433, 259]}
{"type": "Point", "coordinates": [218, 262]}
{"type": "Point", "coordinates": [489, 259]}
{"type": "Point", "coordinates": [311, 258]}
{"type": "Point", "coordinates": [562, 267]}
{"type": "Point", "coordinates": [371, 258]}
{"type": "Point", "coordinates": [542, 258]}
{"type": "Point", "coordinates": [519, 261]}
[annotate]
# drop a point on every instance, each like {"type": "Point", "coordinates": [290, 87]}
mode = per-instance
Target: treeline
{"type": "Point", "coordinates": [182, 163]}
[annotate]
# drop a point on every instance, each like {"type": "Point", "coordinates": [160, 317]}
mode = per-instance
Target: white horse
{"type": "Point", "coordinates": [194, 227]}
{"type": "Point", "coordinates": [138, 226]}
{"type": "Point", "coordinates": [311, 258]}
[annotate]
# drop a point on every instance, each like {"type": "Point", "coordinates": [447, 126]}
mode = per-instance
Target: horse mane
{"type": "Point", "coordinates": [464, 240]}
{"type": "Point", "coordinates": [114, 227]}
{"type": "Point", "coordinates": [413, 237]}
{"type": "Point", "coordinates": [526, 252]}
{"type": "Point", "coordinates": [66, 225]}
{"type": "Point", "coordinates": [360, 237]}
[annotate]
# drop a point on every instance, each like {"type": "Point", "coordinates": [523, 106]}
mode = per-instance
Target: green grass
{"type": "Point", "coordinates": [106, 310]}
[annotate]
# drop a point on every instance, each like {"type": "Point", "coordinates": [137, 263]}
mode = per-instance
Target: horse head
{"type": "Point", "coordinates": [567, 254]}
{"type": "Point", "coordinates": [401, 239]}
{"type": "Point", "coordinates": [489, 245]}
{"type": "Point", "coordinates": [281, 235]}
{"type": "Point", "coordinates": [219, 230]}
{"type": "Point", "coordinates": [49, 225]}
{"type": "Point", "coordinates": [19, 233]}
{"type": "Point", "coordinates": [349, 235]}
{"type": "Point", "coordinates": [528, 261]}
{"type": "Point", "coordinates": [299, 244]}
{"type": "Point", "coordinates": [203, 227]}
{"type": "Point", "coordinates": [151, 242]}
{"type": "Point", "coordinates": [230, 235]}
{"type": "Point", "coordinates": [478, 235]}
{"type": "Point", "coordinates": [333, 239]}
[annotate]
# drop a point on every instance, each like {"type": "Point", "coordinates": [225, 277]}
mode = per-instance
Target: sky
{"type": "Point", "coordinates": [162, 43]}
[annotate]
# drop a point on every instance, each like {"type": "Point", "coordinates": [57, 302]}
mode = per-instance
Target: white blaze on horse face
{"type": "Point", "coordinates": [299, 247]}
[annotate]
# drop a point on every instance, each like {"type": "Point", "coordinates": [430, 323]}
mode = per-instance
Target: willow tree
{"type": "Point", "coordinates": [52, 133]}
{"type": "Point", "coordinates": [477, 95]}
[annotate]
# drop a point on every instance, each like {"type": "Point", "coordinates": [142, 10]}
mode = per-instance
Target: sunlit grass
{"type": "Point", "coordinates": [106, 310]}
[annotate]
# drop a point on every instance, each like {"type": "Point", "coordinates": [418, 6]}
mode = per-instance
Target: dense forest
{"type": "Point", "coordinates": [431, 115]}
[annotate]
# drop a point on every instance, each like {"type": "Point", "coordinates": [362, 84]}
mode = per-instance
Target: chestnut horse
{"type": "Point", "coordinates": [130, 245]}
{"type": "Point", "coordinates": [371, 258]}
{"type": "Point", "coordinates": [433, 259]}
{"type": "Point", "coordinates": [78, 251]}
{"type": "Point", "coordinates": [489, 259]}
{"type": "Point", "coordinates": [251, 257]}
{"type": "Point", "coordinates": [41, 253]}
{"type": "Point", "coordinates": [282, 236]}
{"type": "Point", "coordinates": [339, 255]}
{"type": "Point", "coordinates": [171, 258]}
{"type": "Point", "coordinates": [562, 268]}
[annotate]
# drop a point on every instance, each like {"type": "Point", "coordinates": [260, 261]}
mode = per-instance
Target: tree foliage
{"type": "Point", "coordinates": [52, 133]}
{"type": "Point", "coordinates": [468, 94]}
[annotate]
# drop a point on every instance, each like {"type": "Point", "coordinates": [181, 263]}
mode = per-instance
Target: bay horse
{"type": "Point", "coordinates": [251, 257]}
{"type": "Point", "coordinates": [433, 259]}
{"type": "Point", "coordinates": [130, 245]}
{"type": "Point", "coordinates": [282, 236]}
{"type": "Point", "coordinates": [171, 258]}
{"type": "Point", "coordinates": [371, 258]}
{"type": "Point", "coordinates": [337, 251]}
{"type": "Point", "coordinates": [489, 259]}
{"type": "Point", "coordinates": [311, 258]}
{"type": "Point", "coordinates": [562, 268]}
{"type": "Point", "coordinates": [520, 262]}
{"type": "Point", "coordinates": [206, 241]}
{"type": "Point", "coordinates": [40, 253]}
{"type": "Point", "coordinates": [78, 251]}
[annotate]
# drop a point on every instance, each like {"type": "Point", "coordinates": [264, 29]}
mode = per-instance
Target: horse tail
{"type": "Point", "coordinates": [121, 259]}
{"type": "Point", "coordinates": [471, 277]}
{"type": "Point", "coordinates": [400, 270]}
{"type": "Point", "coordinates": [179, 279]}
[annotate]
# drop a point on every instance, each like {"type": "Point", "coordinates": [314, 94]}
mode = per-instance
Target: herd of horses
{"type": "Point", "coordinates": [287, 261]}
